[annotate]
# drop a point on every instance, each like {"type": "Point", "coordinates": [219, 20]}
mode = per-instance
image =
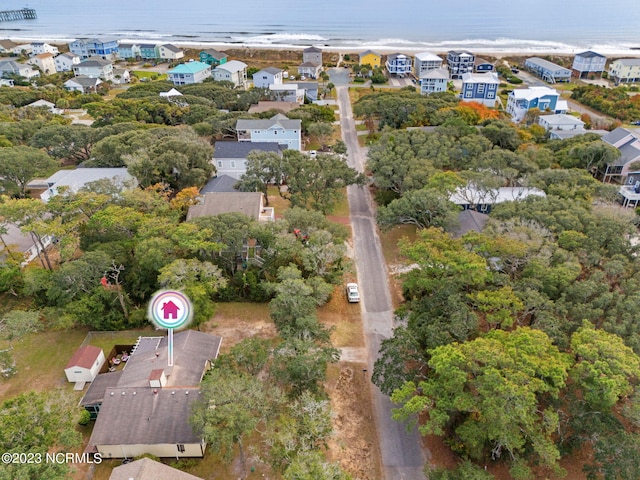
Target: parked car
{"type": "Point", "coordinates": [353, 295]}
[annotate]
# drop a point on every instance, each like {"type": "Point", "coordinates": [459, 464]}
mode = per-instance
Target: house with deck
{"type": "Point", "coordinates": [42, 47]}
{"type": "Point", "coordinates": [625, 70]}
{"type": "Point", "coordinates": [480, 87]}
{"type": "Point", "coordinates": [588, 64]}
{"type": "Point", "coordinates": [230, 158]}
{"type": "Point", "coordinates": [482, 66]}
{"type": "Point", "coordinates": [277, 129]}
{"type": "Point", "coordinates": [213, 57]}
{"type": "Point", "coordinates": [95, 67]}
{"type": "Point", "coordinates": [371, 58]}
{"type": "Point", "coordinates": [482, 200]}
{"type": "Point", "coordinates": [9, 67]}
{"type": "Point", "coordinates": [169, 52]}
{"type": "Point", "coordinates": [189, 73]}
{"type": "Point", "coordinates": [233, 71]}
{"type": "Point", "coordinates": [425, 61]}
{"type": "Point", "coordinates": [433, 81]}
{"type": "Point", "coordinates": [629, 193]}
{"type": "Point", "coordinates": [521, 100]}
{"type": "Point", "coordinates": [128, 50]}
{"type": "Point", "coordinates": [45, 62]}
{"type": "Point", "coordinates": [460, 62]}
{"type": "Point", "coordinates": [73, 181]}
{"type": "Point", "coordinates": [628, 144]}
{"type": "Point", "coordinates": [82, 84]}
{"type": "Point", "coordinates": [561, 121]}
{"type": "Point", "coordinates": [250, 204]}
{"type": "Point", "coordinates": [398, 64]}
{"type": "Point", "coordinates": [547, 71]}
{"type": "Point", "coordinates": [106, 48]}
{"type": "Point", "coordinates": [287, 92]}
{"type": "Point", "coordinates": [144, 408]}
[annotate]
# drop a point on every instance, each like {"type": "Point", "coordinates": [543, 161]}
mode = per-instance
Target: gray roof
{"type": "Point", "coordinates": [545, 64]}
{"type": "Point", "coordinates": [85, 81]}
{"type": "Point", "coordinates": [147, 469]}
{"type": "Point", "coordinates": [99, 385]}
{"type": "Point", "coordinates": [616, 135]}
{"type": "Point", "coordinates": [393, 56]}
{"type": "Point", "coordinates": [589, 54]}
{"type": "Point", "coordinates": [242, 149]}
{"type": "Point", "coordinates": [629, 62]}
{"type": "Point", "coordinates": [264, 106]}
{"type": "Point", "coordinates": [220, 184]}
{"type": "Point", "coordinates": [308, 65]}
{"type": "Point", "coordinates": [218, 203]}
{"type": "Point", "coordinates": [173, 48]}
{"type": "Point", "coordinates": [629, 152]}
{"type": "Point", "coordinates": [312, 50]}
{"type": "Point", "coordinates": [470, 221]}
{"type": "Point", "coordinates": [215, 54]}
{"type": "Point", "coordinates": [232, 66]}
{"type": "Point", "coordinates": [271, 70]}
{"type": "Point", "coordinates": [564, 134]}
{"type": "Point", "coordinates": [146, 416]}
{"type": "Point", "coordinates": [94, 62]}
{"type": "Point", "coordinates": [436, 73]}
{"type": "Point", "coordinates": [276, 120]}
{"type": "Point", "coordinates": [367, 52]}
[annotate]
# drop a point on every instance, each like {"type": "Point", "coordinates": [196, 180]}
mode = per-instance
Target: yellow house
{"type": "Point", "coordinates": [370, 58]}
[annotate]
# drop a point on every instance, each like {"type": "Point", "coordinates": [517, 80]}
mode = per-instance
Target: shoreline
{"type": "Point", "coordinates": [480, 47]}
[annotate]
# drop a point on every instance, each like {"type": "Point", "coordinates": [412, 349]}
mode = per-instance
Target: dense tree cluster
{"type": "Point", "coordinates": [615, 102]}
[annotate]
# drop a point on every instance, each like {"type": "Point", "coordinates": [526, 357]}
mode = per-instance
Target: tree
{"type": "Point", "coordinates": [72, 142]}
{"type": "Point", "coordinates": [322, 131]}
{"type": "Point", "coordinates": [502, 135]}
{"type": "Point", "coordinates": [312, 466]}
{"type": "Point", "coordinates": [230, 407]}
{"type": "Point", "coordinates": [263, 169]}
{"type": "Point", "coordinates": [18, 165]}
{"type": "Point", "coordinates": [493, 394]}
{"type": "Point", "coordinates": [423, 208]}
{"type": "Point", "coordinates": [17, 323]}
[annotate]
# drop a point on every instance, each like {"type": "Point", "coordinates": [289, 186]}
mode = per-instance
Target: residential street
{"type": "Point", "coordinates": [402, 457]}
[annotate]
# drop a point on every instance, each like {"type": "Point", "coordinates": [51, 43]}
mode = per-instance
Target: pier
{"type": "Point", "coordinates": [24, 14]}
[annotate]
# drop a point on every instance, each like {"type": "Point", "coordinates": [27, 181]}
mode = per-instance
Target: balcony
{"type": "Point", "coordinates": [630, 196]}
{"type": "Point", "coordinates": [267, 214]}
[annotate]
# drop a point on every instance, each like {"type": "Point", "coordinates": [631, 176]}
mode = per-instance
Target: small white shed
{"type": "Point", "coordinates": [85, 364]}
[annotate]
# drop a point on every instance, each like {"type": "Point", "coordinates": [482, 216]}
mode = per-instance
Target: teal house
{"type": "Point", "coordinates": [213, 57]}
{"type": "Point", "coordinates": [190, 72]}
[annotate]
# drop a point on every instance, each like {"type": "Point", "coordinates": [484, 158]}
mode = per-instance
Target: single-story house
{"type": "Point", "coordinates": [85, 364]}
{"type": "Point", "coordinates": [75, 180]}
{"type": "Point", "coordinates": [23, 243]}
{"type": "Point", "coordinates": [561, 121]}
{"type": "Point", "coordinates": [147, 469]}
{"type": "Point", "coordinates": [121, 76]}
{"type": "Point", "coordinates": [547, 71]}
{"type": "Point", "coordinates": [220, 184]}
{"type": "Point", "coordinates": [82, 84]}
{"type": "Point", "coordinates": [249, 203]}
{"type": "Point", "coordinates": [265, 106]}
{"type": "Point", "coordinates": [48, 105]}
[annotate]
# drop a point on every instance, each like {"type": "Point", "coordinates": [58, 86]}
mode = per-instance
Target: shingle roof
{"type": "Point", "coordinates": [393, 56]}
{"type": "Point", "coordinates": [146, 416]}
{"type": "Point", "coordinates": [367, 52]}
{"type": "Point", "coordinates": [589, 54]}
{"type": "Point", "coordinates": [616, 135]}
{"type": "Point", "coordinates": [629, 62]}
{"type": "Point", "coordinates": [232, 66]}
{"type": "Point", "coordinates": [172, 47]}
{"type": "Point", "coordinates": [545, 64]}
{"type": "Point", "coordinates": [147, 469]}
{"type": "Point", "coordinates": [219, 203]}
{"type": "Point", "coordinates": [215, 54]}
{"type": "Point", "coordinates": [94, 62]}
{"type": "Point", "coordinates": [95, 392]}
{"type": "Point", "coordinates": [436, 73]}
{"type": "Point", "coordinates": [312, 50]}
{"type": "Point", "coordinates": [85, 81]}
{"type": "Point", "coordinates": [561, 119]}
{"type": "Point", "coordinates": [264, 124]}
{"type": "Point", "coordinates": [470, 220]}
{"type": "Point", "coordinates": [220, 184]}
{"type": "Point", "coordinates": [84, 357]}
{"type": "Point", "coordinates": [489, 77]}
{"type": "Point", "coordinates": [242, 149]}
{"type": "Point", "coordinates": [533, 92]}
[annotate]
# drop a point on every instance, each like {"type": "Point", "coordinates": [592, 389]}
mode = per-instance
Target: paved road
{"type": "Point", "coordinates": [402, 457]}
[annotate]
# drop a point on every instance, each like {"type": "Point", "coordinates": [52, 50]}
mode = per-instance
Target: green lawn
{"type": "Point", "coordinates": [149, 74]}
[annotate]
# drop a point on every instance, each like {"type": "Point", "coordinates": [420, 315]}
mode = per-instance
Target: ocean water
{"type": "Point", "coordinates": [561, 26]}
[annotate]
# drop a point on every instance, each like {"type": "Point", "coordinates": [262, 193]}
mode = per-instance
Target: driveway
{"type": "Point", "coordinates": [339, 76]}
{"type": "Point", "coordinates": [402, 456]}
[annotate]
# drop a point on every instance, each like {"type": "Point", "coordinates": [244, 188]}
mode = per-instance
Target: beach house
{"type": "Point", "coordinates": [233, 71]}
{"type": "Point", "coordinates": [82, 84]}
{"type": "Point", "coordinates": [398, 64]}
{"type": "Point", "coordinates": [45, 62]}
{"type": "Point", "coordinates": [94, 67]}
{"type": "Point", "coordinates": [369, 57]}
{"type": "Point", "coordinates": [311, 65]}
{"type": "Point", "coordinates": [66, 61]}
{"type": "Point", "coordinates": [628, 144]}
{"type": "Point", "coordinates": [267, 76]}
{"type": "Point", "coordinates": [560, 121]}
{"type": "Point", "coordinates": [548, 71]}
{"type": "Point", "coordinates": [189, 73]}
{"type": "Point", "coordinates": [433, 81]}
{"type": "Point", "coordinates": [213, 57]}
{"type": "Point", "coordinates": [169, 51]}
{"type": "Point", "coordinates": [250, 204]}
{"type": "Point", "coordinates": [522, 100]}
{"type": "Point", "coordinates": [42, 47]}
{"type": "Point", "coordinates": [480, 87]}
{"type": "Point", "coordinates": [106, 48]}
{"type": "Point", "coordinates": [482, 200]}
{"type": "Point", "coordinates": [459, 63]}
{"type": "Point", "coordinates": [278, 129]}
{"type": "Point", "coordinates": [73, 181]}
{"type": "Point", "coordinates": [625, 70]}
{"type": "Point", "coordinates": [588, 64]}
{"type": "Point", "coordinates": [230, 158]}
{"type": "Point", "coordinates": [9, 67]}
{"type": "Point", "coordinates": [425, 61]}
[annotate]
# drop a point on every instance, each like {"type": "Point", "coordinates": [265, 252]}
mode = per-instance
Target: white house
{"type": "Point", "coordinates": [9, 67]}
{"type": "Point", "coordinates": [85, 364]}
{"type": "Point", "coordinates": [95, 67]}
{"type": "Point", "coordinates": [82, 84]}
{"type": "Point", "coordinates": [74, 180]}
{"type": "Point", "coordinates": [232, 71]}
{"type": "Point", "coordinates": [481, 200]}
{"type": "Point", "coordinates": [170, 52]}
{"type": "Point", "coordinates": [41, 47]}
{"type": "Point", "coordinates": [625, 70]}
{"type": "Point", "coordinates": [121, 76]}
{"type": "Point", "coordinates": [425, 61]}
{"type": "Point", "coordinates": [278, 129]}
{"type": "Point", "coordinates": [521, 100]}
{"type": "Point", "coordinates": [66, 61]}
{"type": "Point", "coordinates": [561, 121]}
{"type": "Point", "coordinates": [45, 62]}
{"type": "Point", "coordinates": [267, 77]}
{"type": "Point", "coordinates": [48, 105]}
{"type": "Point", "coordinates": [434, 81]}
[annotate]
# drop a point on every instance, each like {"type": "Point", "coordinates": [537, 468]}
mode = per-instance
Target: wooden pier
{"type": "Point", "coordinates": [24, 14]}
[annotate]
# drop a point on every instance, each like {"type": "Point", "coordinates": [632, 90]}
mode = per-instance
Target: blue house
{"type": "Point", "coordinates": [149, 51]}
{"type": "Point", "coordinates": [434, 81]}
{"type": "Point", "coordinates": [480, 87]}
{"type": "Point", "coordinates": [460, 62]}
{"type": "Point", "coordinates": [91, 47]}
{"type": "Point", "coordinates": [278, 129]}
{"type": "Point", "coordinates": [399, 64]}
{"type": "Point", "coordinates": [128, 50]}
{"type": "Point", "coordinates": [483, 66]}
{"type": "Point", "coordinates": [522, 100]}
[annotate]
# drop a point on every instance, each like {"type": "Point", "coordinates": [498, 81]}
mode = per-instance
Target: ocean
{"type": "Point", "coordinates": [492, 26]}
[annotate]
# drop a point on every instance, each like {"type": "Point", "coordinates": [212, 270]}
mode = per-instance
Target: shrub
{"type": "Point", "coordinates": [85, 417]}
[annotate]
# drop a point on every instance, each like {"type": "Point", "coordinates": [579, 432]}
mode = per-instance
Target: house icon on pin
{"type": "Point", "coordinates": [170, 310]}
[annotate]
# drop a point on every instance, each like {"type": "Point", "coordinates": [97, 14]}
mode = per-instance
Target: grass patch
{"type": "Point", "coordinates": [149, 74]}
{"type": "Point", "coordinates": [361, 127]}
{"type": "Point", "coordinates": [279, 204]}
{"type": "Point", "coordinates": [341, 208]}
{"type": "Point", "coordinates": [344, 318]}
{"type": "Point", "coordinates": [389, 241]}
{"type": "Point", "coordinates": [258, 312]}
